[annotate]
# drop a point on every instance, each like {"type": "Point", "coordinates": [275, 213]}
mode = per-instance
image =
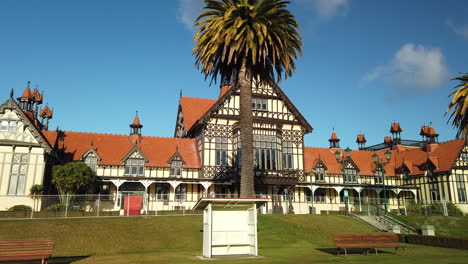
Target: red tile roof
{"type": "Point", "coordinates": [193, 109]}
{"type": "Point", "coordinates": [443, 158]}
{"type": "Point", "coordinates": [26, 93]}
{"type": "Point", "coordinates": [113, 148]}
{"type": "Point", "coordinates": [224, 90]}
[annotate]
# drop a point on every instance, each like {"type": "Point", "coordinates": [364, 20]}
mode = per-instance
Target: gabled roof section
{"type": "Point", "coordinates": [91, 151]}
{"type": "Point", "coordinates": [135, 153]}
{"type": "Point", "coordinates": [176, 157]}
{"type": "Point", "coordinates": [28, 121]}
{"type": "Point", "coordinates": [360, 159]}
{"type": "Point", "coordinates": [193, 109]}
{"type": "Point", "coordinates": [113, 148]}
{"type": "Point", "coordinates": [218, 103]}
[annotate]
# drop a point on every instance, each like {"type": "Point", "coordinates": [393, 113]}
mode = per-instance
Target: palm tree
{"type": "Point", "coordinates": [460, 104]}
{"type": "Point", "coordinates": [242, 40]}
{"type": "Point", "coordinates": [36, 192]}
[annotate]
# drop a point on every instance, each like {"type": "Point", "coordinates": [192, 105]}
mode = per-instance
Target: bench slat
{"type": "Point", "coordinates": [26, 249]}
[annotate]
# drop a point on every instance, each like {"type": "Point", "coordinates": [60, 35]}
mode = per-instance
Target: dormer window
{"type": "Point", "coordinates": [176, 169]}
{"type": "Point", "coordinates": [379, 177]}
{"type": "Point", "coordinates": [350, 175]}
{"type": "Point", "coordinates": [134, 167]}
{"type": "Point", "coordinates": [91, 161]}
{"type": "Point", "coordinates": [8, 126]}
{"type": "Point", "coordinates": [320, 174]}
{"type": "Point", "coordinates": [259, 104]}
{"type": "Point", "coordinates": [405, 176]}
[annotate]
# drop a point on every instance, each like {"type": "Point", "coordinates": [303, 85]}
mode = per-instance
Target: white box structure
{"type": "Point", "coordinates": [229, 225]}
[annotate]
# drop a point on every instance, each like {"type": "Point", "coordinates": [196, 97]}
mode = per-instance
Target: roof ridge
{"type": "Point", "coordinates": [199, 98]}
{"type": "Point", "coordinates": [124, 135]}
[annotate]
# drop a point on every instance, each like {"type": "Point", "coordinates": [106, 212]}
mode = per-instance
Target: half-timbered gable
{"type": "Point", "coordinates": [24, 152]}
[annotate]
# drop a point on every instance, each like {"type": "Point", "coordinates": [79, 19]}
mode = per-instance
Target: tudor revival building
{"type": "Point", "coordinates": [202, 158]}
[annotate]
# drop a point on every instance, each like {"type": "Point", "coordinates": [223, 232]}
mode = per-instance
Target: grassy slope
{"type": "Point", "coordinates": [282, 239]}
{"type": "Point", "coordinates": [454, 226]}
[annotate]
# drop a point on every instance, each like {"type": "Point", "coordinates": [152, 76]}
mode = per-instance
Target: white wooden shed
{"type": "Point", "coordinates": [229, 225]}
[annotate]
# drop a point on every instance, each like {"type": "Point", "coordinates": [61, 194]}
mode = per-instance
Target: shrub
{"type": "Point", "coordinates": [20, 207]}
{"type": "Point", "coordinates": [453, 209]}
{"type": "Point", "coordinates": [56, 207]}
{"type": "Point", "coordinates": [415, 208]}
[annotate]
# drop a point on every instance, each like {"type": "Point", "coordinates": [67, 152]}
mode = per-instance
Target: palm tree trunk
{"type": "Point", "coordinates": [246, 132]}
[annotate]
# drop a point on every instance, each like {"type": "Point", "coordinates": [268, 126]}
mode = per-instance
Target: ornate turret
{"type": "Point", "coordinates": [396, 130]}
{"type": "Point", "coordinates": [46, 114]}
{"type": "Point", "coordinates": [135, 127]}
{"type": "Point", "coordinates": [26, 100]}
{"type": "Point", "coordinates": [361, 140]}
{"type": "Point", "coordinates": [334, 140]}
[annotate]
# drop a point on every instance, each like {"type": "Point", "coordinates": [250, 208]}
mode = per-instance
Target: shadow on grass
{"type": "Point", "coordinates": [54, 260]}
{"type": "Point", "coordinates": [351, 251]}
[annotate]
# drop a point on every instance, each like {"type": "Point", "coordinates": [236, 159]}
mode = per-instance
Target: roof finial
{"type": "Point", "coordinates": [11, 93]}
{"type": "Point", "coordinates": [137, 113]}
{"type": "Point", "coordinates": [180, 93]}
{"type": "Point", "coordinates": [29, 82]}
{"type": "Point", "coordinates": [91, 143]}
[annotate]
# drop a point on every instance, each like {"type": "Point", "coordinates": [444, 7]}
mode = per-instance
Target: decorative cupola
{"type": "Point", "coordinates": [388, 141]}
{"type": "Point", "coordinates": [37, 100]}
{"type": "Point", "coordinates": [135, 127]}
{"type": "Point", "coordinates": [424, 131]}
{"type": "Point", "coordinates": [334, 140]}
{"type": "Point", "coordinates": [46, 114]}
{"type": "Point", "coordinates": [396, 130]}
{"type": "Point", "coordinates": [361, 140]}
{"type": "Point", "coordinates": [26, 100]}
{"type": "Point", "coordinates": [432, 136]}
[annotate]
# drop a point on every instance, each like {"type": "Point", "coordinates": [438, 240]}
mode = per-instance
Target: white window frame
{"type": "Point", "coordinates": [18, 173]}
{"type": "Point", "coordinates": [176, 169]}
{"type": "Point", "coordinates": [134, 167]}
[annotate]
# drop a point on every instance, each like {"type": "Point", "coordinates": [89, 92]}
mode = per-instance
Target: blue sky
{"type": "Point", "coordinates": [365, 64]}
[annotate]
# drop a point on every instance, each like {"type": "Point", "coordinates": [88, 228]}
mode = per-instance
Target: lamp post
{"type": "Point", "coordinates": [380, 163]}
{"type": "Point", "coordinates": [342, 161]}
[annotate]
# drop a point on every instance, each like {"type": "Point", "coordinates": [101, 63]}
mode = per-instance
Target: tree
{"type": "Point", "coordinates": [240, 41]}
{"type": "Point", "coordinates": [69, 178]}
{"type": "Point", "coordinates": [36, 191]}
{"type": "Point", "coordinates": [459, 104]}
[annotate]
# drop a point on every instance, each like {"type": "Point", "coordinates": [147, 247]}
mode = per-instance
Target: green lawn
{"type": "Point", "coordinates": [454, 226]}
{"type": "Point", "coordinates": [282, 239]}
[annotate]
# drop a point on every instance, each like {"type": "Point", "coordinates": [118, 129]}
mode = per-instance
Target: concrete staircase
{"type": "Point", "coordinates": [386, 223]}
{"type": "Point", "coordinates": [372, 221]}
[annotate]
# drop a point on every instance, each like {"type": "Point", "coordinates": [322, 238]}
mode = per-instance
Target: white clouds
{"type": "Point", "coordinates": [460, 30]}
{"type": "Point", "coordinates": [188, 11]}
{"type": "Point", "coordinates": [414, 67]}
{"type": "Point", "coordinates": [327, 9]}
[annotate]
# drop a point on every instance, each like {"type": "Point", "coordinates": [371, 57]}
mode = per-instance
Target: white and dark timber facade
{"type": "Point", "coordinates": [202, 159]}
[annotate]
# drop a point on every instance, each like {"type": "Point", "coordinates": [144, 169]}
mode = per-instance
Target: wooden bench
{"type": "Point", "coordinates": [26, 249]}
{"type": "Point", "coordinates": [366, 241]}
